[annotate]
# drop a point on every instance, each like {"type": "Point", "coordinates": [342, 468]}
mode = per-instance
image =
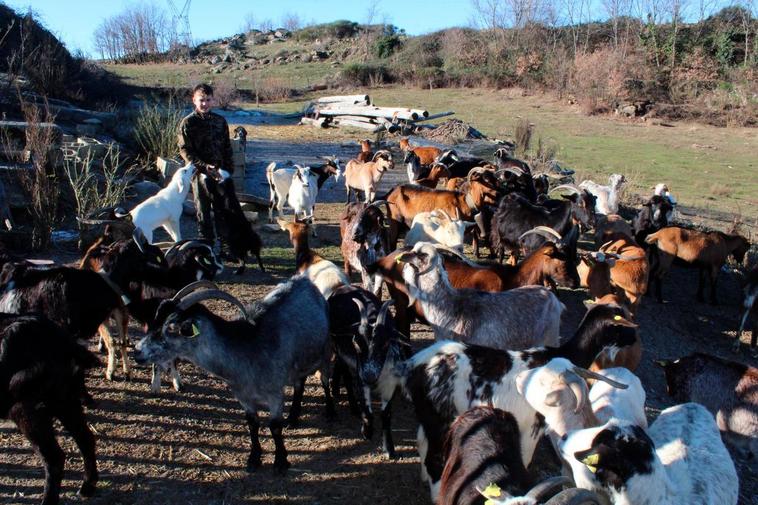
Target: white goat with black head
{"type": "Point", "coordinates": [514, 319]}
{"type": "Point", "coordinates": [277, 342]}
{"type": "Point", "coordinates": [680, 459]}
{"type": "Point", "coordinates": [608, 197]}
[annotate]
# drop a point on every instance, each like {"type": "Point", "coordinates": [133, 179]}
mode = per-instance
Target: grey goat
{"type": "Point", "coordinates": [279, 341]}
{"type": "Point", "coordinates": [510, 320]}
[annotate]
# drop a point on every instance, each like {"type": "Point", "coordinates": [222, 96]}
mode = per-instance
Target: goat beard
{"type": "Point", "coordinates": [411, 276]}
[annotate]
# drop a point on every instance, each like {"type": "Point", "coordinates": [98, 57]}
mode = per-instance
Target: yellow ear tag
{"type": "Point", "coordinates": [195, 330]}
{"type": "Point", "coordinates": [492, 491]}
{"type": "Point", "coordinates": [591, 462]}
{"type": "Point", "coordinates": [617, 318]}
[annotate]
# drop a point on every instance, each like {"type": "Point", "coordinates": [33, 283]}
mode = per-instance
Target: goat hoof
{"type": "Point", "coordinates": [87, 489]}
{"type": "Point", "coordinates": [281, 467]}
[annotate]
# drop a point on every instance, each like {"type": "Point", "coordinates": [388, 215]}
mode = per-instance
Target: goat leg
{"type": "Point", "coordinates": [388, 444]}
{"type": "Point", "coordinates": [254, 459]}
{"type": "Point", "coordinates": [74, 422]}
{"type": "Point", "coordinates": [37, 426]}
{"type": "Point", "coordinates": [714, 279]}
{"type": "Point", "coordinates": [260, 262]}
{"type": "Point", "coordinates": [280, 456]}
{"type": "Point", "coordinates": [700, 284]}
{"type": "Point", "coordinates": [176, 379]}
{"type": "Point", "coordinates": [297, 399]}
{"type": "Point", "coordinates": [241, 268]}
{"type": "Point", "coordinates": [324, 371]}
{"type": "Point", "coordinates": [367, 416]}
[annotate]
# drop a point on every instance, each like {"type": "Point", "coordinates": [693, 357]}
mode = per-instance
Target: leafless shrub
{"type": "Point", "coordinates": [271, 89]}
{"type": "Point", "coordinates": [41, 154]}
{"type": "Point", "coordinates": [98, 182]}
{"type": "Point", "coordinates": [225, 92]}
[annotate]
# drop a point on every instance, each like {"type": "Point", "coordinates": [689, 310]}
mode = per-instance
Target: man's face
{"type": "Point", "coordinates": [202, 102]}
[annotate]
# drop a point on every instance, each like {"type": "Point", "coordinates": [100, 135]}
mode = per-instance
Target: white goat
{"type": "Point", "coordinates": [609, 402]}
{"type": "Point", "coordinates": [607, 197]}
{"type": "Point", "coordinates": [302, 194]}
{"type": "Point", "coordinates": [437, 227]}
{"type": "Point", "coordinates": [165, 207]}
{"type": "Point", "coordinates": [366, 176]}
{"type": "Point", "coordinates": [681, 459]}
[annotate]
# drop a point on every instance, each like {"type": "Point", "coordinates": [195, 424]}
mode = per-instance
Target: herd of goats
{"type": "Point", "coordinates": [496, 380]}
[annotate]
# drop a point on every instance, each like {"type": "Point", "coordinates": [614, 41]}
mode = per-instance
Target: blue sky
{"type": "Point", "coordinates": [74, 21]}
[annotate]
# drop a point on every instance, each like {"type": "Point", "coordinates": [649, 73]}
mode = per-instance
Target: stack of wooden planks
{"type": "Point", "coordinates": [358, 112]}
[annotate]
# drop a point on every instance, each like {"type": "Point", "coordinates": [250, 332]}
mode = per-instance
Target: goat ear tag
{"type": "Point", "coordinates": [491, 491]}
{"type": "Point", "coordinates": [617, 318]}
{"type": "Point", "coordinates": [195, 331]}
{"type": "Point", "coordinates": [591, 462]}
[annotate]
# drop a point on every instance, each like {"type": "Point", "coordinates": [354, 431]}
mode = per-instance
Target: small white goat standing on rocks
{"type": "Point", "coordinates": [165, 207]}
{"type": "Point", "coordinates": [607, 197]}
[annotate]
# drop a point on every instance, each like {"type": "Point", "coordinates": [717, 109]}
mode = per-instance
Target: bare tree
{"type": "Point", "coordinates": [291, 21]}
{"type": "Point", "coordinates": [140, 31]}
{"type": "Point", "coordinates": [248, 23]}
{"type": "Point", "coordinates": [368, 35]}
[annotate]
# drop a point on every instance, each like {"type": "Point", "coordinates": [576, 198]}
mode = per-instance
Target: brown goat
{"type": "Point", "coordinates": [427, 155]}
{"type": "Point", "coordinates": [706, 251]}
{"type": "Point", "coordinates": [605, 225]}
{"type": "Point", "coordinates": [437, 173]}
{"type": "Point", "coordinates": [621, 267]}
{"type": "Point", "coordinates": [628, 357]}
{"type": "Point", "coordinates": [407, 200]}
{"type": "Point", "coordinates": [547, 266]}
{"type": "Point", "coordinates": [366, 153]}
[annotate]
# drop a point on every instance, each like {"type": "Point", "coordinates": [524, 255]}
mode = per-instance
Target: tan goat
{"type": "Point", "coordinates": [366, 176]}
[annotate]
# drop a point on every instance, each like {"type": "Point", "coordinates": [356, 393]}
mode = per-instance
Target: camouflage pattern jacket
{"type": "Point", "coordinates": [204, 140]}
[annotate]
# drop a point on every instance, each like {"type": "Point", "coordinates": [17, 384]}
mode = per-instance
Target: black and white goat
{"type": "Point", "coordinates": [277, 342]}
{"type": "Point", "coordinates": [368, 346]}
{"type": "Point", "coordinates": [448, 378]}
{"type": "Point", "coordinates": [680, 459]}
{"type": "Point", "coordinates": [41, 379]}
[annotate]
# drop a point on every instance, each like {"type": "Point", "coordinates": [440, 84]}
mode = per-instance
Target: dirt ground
{"type": "Point", "coordinates": [190, 447]}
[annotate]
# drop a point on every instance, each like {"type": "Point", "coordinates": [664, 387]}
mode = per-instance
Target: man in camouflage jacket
{"type": "Point", "coordinates": [204, 141]}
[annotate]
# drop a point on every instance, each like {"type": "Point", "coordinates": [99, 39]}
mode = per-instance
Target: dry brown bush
{"type": "Point", "coordinates": [271, 89]}
{"type": "Point", "coordinates": [225, 92]}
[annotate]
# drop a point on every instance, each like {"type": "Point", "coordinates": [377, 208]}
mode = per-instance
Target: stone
{"type": "Point", "coordinates": [168, 166]}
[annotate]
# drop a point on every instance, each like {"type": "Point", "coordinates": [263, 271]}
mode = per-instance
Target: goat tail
{"type": "Point", "coordinates": [270, 179]}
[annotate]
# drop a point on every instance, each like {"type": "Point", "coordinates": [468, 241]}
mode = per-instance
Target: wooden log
{"type": "Point", "coordinates": [346, 99]}
{"type": "Point", "coordinates": [375, 128]}
{"type": "Point", "coordinates": [320, 122]}
{"type": "Point", "coordinates": [372, 111]}
{"type": "Point", "coordinates": [436, 116]}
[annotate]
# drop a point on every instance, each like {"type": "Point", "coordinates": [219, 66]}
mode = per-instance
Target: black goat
{"type": "Point", "coordinates": [364, 240]}
{"type": "Point", "coordinates": [457, 166]}
{"type": "Point", "coordinates": [654, 215]}
{"type": "Point", "coordinates": [516, 215]}
{"type": "Point", "coordinates": [235, 228]}
{"type": "Point", "coordinates": [41, 378]}
{"type": "Point", "coordinates": [79, 300]}
{"type": "Point", "coordinates": [368, 346]}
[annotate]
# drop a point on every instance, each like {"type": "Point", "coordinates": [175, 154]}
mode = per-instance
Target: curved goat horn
{"type": "Point", "coordinates": [208, 294]}
{"type": "Point", "coordinates": [548, 488]}
{"type": "Point", "coordinates": [445, 248]}
{"type": "Point", "coordinates": [583, 372]}
{"type": "Point", "coordinates": [515, 171]}
{"type": "Point", "coordinates": [192, 287]}
{"type": "Point", "coordinates": [578, 388]}
{"type": "Point", "coordinates": [545, 231]}
{"type": "Point", "coordinates": [191, 243]}
{"type": "Point", "coordinates": [570, 187]}
{"type": "Point", "coordinates": [377, 203]}
{"type": "Point", "coordinates": [381, 318]}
